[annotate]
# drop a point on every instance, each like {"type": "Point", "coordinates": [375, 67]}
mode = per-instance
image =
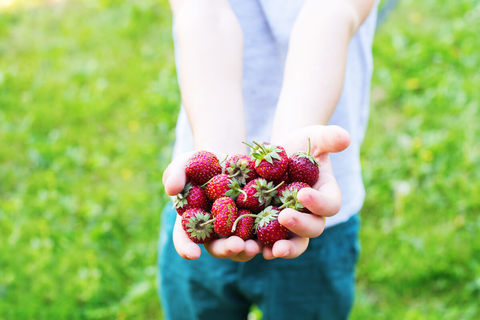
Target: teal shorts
{"type": "Point", "coordinates": [317, 285]}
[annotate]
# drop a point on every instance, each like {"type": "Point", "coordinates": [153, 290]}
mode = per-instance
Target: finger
{"type": "Point", "coordinates": [327, 139]}
{"type": "Point", "coordinates": [302, 224]}
{"type": "Point", "coordinates": [252, 248]}
{"type": "Point", "coordinates": [174, 177]}
{"type": "Point", "coordinates": [324, 201]}
{"type": "Point", "coordinates": [267, 253]}
{"type": "Point", "coordinates": [185, 247]}
{"type": "Point", "coordinates": [290, 249]}
{"type": "Point", "coordinates": [225, 248]}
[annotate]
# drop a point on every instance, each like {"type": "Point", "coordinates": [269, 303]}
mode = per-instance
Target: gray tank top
{"type": "Point", "coordinates": [266, 26]}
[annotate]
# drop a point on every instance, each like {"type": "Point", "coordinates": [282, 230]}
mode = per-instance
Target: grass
{"type": "Point", "coordinates": [88, 101]}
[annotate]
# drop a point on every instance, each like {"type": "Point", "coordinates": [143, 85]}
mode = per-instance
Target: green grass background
{"type": "Point", "coordinates": [88, 101]}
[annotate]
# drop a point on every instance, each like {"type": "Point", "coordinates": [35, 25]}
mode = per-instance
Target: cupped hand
{"type": "Point", "coordinates": [233, 247]}
{"type": "Point", "coordinates": [323, 199]}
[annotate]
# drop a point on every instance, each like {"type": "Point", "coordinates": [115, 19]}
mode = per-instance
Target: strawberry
{"type": "Point", "coordinates": [256, 195]}
{"type": "Point", "coordinates": [191, 197]}
{"type": "Point", "coordinates": [225, 213]}
{"type": "Point", "coordinates": [222, 185]}
{"type": "Point", "coordinates": [286, 177]}
{"type": "Point", "coordinates": [276, 200]}
{"type": "Point", "coordinates": [269, 230]}
{"type": "Point", "coordinates": [201, 167]}
{"type": "Point", "coordinates": [245, 226]}
{"type": "Point", "coordinates": [267, 227]}
{"type": "Point", "coordinates": [289, 197]}
{"type": "Point", "coordinates": [303, 167]}
{"type": "Point", "coordinates": [242, 167]}
{"type": "Point", "coordinates": [198, 225]}
{"type": "Point", "coordinates": [271, 161]}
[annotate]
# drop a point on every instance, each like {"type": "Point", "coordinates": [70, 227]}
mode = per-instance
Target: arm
{"type": "Point", "coordinates": [316, 60]}
{"type": "Point", "coordinates": [313, 80]}
{"type": "Point", "coordinates": [210, 46]}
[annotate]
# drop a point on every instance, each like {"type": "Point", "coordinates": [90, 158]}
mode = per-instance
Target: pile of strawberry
{"type": "Point", "coordinates": [245, 198]}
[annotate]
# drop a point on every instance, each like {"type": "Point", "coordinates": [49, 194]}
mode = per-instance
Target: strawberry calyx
{"type": "Point", "coordinates": [269, 214]}
{"type": "Point", "coordinates": [180, 199]}
{"type": "Point", "coordinates": [239, 169]}
{"type": "Point", "coordinates": [234, 189]}
{"type": "Point", "coordinates": [265, 191]}
{"type": "Point", "coordinates": [307, 154]}
{"type": "Point", "coordinates": [289, 200]}
{"type": "Point", "coordinates": [200, 225]}
{"type": "Point", "coordinates": [267, 152]}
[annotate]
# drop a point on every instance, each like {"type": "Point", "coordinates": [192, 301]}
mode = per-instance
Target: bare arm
{"type": "Point", "coordinates": [315, 65]}
{"type": "Point", "coordinates": [210, 46]}
{"type": "Point", "coordinates": [313, 80]}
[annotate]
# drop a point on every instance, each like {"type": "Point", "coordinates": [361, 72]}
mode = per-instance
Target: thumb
{"type": "Point", "coordinates": [174, 178]}
{"type": "Point", "coordinates": [326, 139]}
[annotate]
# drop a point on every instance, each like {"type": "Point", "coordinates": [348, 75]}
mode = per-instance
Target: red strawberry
{"type": "Point", "coordinates": [220, 186]}
{"type": "Point", "coordinates": [225, 213]}
{"type": "Point", "coordinates": [245, 226]}
{"type": "Point", "coordinates": [271, 161]}
{"type": "Point", "coordinates": [198, 226]}
{"type": "Point", "coordinates": [289, 197]}
{"type": "Point", "coordinates": [191, 197]}
{"type": "Point", "coordinates": [285, 178]}
{"type": "Point", "coordinates": [303, 167]}
{"type": "Point", "coordinates": [276, 200]}
{"type": "Point", "coordinates": [201, 167]}
{"type": "Point", "coordinates": [257, 195]}
{"type": "Point", "coordinates": [268, 229]}
{"type": "Point", "coordinates": [242, 167]}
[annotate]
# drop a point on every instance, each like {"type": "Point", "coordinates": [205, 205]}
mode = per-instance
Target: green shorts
{"type": "Point", "coordinates": [317, 285]}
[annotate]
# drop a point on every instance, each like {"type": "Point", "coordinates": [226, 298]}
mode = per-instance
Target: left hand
{"type": "Point", "coordinates": [323, 200]}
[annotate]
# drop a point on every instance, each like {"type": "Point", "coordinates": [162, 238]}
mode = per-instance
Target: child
{"type": "Point", "coordinates": [277, 71]}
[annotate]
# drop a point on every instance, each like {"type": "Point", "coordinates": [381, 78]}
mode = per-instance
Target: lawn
{"type": "Point", "coordinates": [88, 100]}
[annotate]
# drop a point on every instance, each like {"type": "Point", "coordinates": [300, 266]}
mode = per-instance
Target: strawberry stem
{"type": "Point", "coordinates": [203, 224]}
{"type": "Point", "coordinates": [248, 145]}
{"type": "Point", "coordinates": [243, 215]}
{"type": "Point", "coordinates": [308, 151]}
{"type": "Point", "coordinates": [234, 175]}
{"type": "Point", "coordinates": [226, 156]}
{"type": "Point", "coordinates": [203, 185]}
{"type": "Point", "coordinates": [286, 204]}
{"type": "Point", "coordinates": [273, 189]}
{"type": "Point", "coordinates": [261, 147]}
{"type": "Point", "coordinates": [245, 195]}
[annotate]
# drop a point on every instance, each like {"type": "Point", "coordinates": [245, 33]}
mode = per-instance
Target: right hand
{"type": "Point", "coordinates": [233, 247]}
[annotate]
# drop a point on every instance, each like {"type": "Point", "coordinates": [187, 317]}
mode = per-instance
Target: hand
{"type": "Point", "coordinates": [323, 200]}
{"type": "Point", "coordinates": [234, 247]}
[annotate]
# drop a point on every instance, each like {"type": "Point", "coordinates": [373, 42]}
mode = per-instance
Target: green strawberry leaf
{"type": "Point", "coordinates": [276, 156]}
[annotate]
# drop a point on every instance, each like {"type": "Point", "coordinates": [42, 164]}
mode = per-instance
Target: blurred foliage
{"type": "Point", "coordinates": [421, 160]}
{"type": "Point", "coordinates": [88, 102]}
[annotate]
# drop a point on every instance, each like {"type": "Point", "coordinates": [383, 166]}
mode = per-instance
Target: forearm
{"type": "Point", "coordinates": [209, 40]}
{"type": "Point", "coordinates": [316, 60]}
